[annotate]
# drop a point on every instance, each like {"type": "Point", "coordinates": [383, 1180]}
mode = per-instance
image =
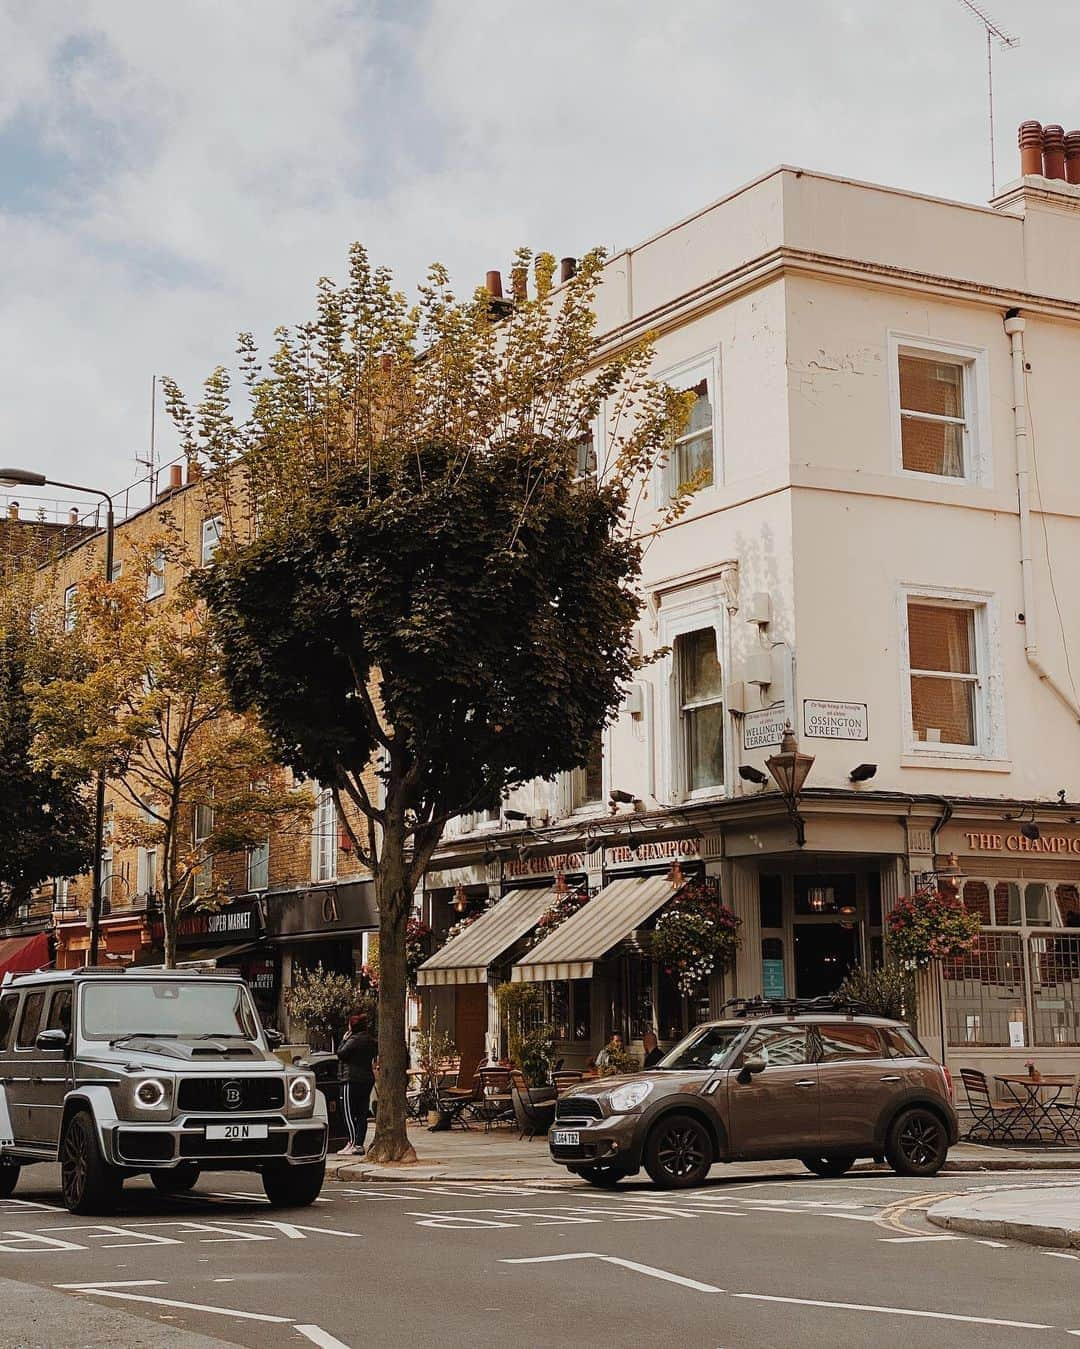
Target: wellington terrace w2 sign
{"type": "Point", "coordinates": [1047, 843]}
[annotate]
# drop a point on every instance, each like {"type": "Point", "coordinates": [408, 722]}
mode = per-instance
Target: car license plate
{"type": "Point", "coordinates": [566, 1138]}
{"type": "Point", "coordinates": [234, 1133]}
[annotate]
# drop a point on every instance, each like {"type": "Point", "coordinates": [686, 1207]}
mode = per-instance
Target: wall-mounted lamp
{"type": "Point", "coordinates": [863, 772]}
{"type": "Point", "coordinates": [460, 901]}
{"type": "Point", "coordinates": [790, 770]}
{"type": "Point", "coordinates": [1030, 830]}
{"type": "Point", "coordinates": [517, 815]}
{"type": "Point", "coordinates": [750, 774]}
{"type": "Point", "coordinates": [623, 798]}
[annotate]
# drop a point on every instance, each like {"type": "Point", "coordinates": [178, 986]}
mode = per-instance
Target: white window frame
{"type": "Point", "coordinates": [567, 784]}
{"type": "Point", "coordinates": [203, 879]}
{"type": "Point", "coordinates": [324, 837]}
{"type": "Point", "coordinates": [258, 860]}
{"type": "Point", "coordinates": [70, 593]}
{"type": "Point", "coordinates": [681, 612]}
{"type": "Point", "coordinates": [146, 861]}
{"type": "Point", "coordinates": [155, 577]}
{"type": "Point", "coordinates": [989, 686]}
{"type": "Point", "coordinates": [974, 362]}
{"type": "Point", "coordinates": [684, 376]}
{"type": "Point", "coordinates": [211, 528]}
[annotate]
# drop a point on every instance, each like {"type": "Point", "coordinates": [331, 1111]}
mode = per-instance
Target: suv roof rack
{"type": "Point", "coordinates": [748, 1007]}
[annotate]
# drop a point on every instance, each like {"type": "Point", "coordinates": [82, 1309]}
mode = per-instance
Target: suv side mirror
{"type": "Point", "coordinates": [274, 1038]}
{"type": "Point", "coordinates": [52, 1039]}
{"type": "Point", "coordinates": [754, 1064]}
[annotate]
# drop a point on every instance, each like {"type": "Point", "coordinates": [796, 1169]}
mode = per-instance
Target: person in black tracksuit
{"type": "Point", "coordinates": [357, 1054]}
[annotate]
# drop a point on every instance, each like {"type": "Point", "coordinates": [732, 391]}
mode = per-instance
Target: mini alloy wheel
{"type": "Point", "coordinates": [678, 1153]}
{"type": "Point", "coordinates": [918, 1143]}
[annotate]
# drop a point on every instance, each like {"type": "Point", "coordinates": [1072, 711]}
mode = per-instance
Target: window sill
{"type": "Point", "coordinates": [970, 763]}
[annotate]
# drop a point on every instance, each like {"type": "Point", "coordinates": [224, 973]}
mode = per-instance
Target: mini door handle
{"type": "Point", "coordinates": [805, 1082]}
{"type": "Point", "coordinates": [893, 1077]}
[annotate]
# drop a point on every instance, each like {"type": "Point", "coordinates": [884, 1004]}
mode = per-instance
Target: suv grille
{"type": "Point", "coordinates": [209, 1093]}
{"type": "Point", "coordinates": [577, 1107]}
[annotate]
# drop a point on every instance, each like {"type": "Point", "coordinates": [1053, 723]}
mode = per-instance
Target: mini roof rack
{"type": "Point", "coordinates": [748, 1007]}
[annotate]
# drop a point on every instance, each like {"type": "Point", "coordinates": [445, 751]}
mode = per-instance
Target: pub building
{"type": "Point", "coordinates": [808, 915]}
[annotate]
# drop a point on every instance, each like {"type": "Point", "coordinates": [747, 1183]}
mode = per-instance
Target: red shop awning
{"type": "Point", "coordinates": [20, 955]}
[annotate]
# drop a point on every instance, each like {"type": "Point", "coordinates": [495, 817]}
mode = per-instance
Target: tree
{"type": "Point", "coordinates": [139, 692]}
{"type": "Point", "coordinates": [46, 824]}
{"type": "Point", "coordinates": [435, 590]}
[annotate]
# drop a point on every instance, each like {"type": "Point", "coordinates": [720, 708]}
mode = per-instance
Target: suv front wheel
{"type": "Point", "coordinates": [293, 1186]}
{"type": "Point", "coordinates": [9, 1178]}
{"type": "Point", "coordinates": [90, 1184]}
{"type": "Point", "coordinates": [917, 1143]}
{"type": "Point", "coordinates": [678, 1152]}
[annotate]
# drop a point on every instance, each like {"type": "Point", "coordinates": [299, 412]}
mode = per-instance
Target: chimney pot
{"type": "Point", "coordinates": [13, 510]}
{"type": "Point", "coordinates": [519, 283]}
{"type": "Point", "coordinates": [176, 476]}
{"type": "Point", "coordinates": [73, 516]}
{"type": "Point", "coordinates": [1072, 156]}
{"type": "Point", "coordinates": [1030, 139]}
{"type": "Point", "coordinates": [1053, 151]}
{"type": "Point", "coordinates": [494, 285]}
{"type": "Point", "coordinates": [567, 268]}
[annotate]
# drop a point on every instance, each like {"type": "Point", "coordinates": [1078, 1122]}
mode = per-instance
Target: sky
{"type": "Point", "coordinates": [173, 173]}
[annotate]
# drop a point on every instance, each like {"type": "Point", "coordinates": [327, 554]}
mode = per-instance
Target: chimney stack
{"type": "Point", "coordinates": [1053, 151]}
{"type": "Point", "coordinates": [1030, 139]}
{"type": "Point", "coordinates": [73, 516]}
{"type": "Point", "coordinates": [567, 269]}
{"type": "Point", "coordinates": [13, 510]}
{"type": "Point", "coordinates": [176, 477]}
{"type": "Point", "coordinates": [493, 284]}
{"type": "Point", "coordinates": [1072, 157]}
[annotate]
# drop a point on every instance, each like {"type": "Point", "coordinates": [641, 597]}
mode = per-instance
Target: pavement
{"type": "Point", "coordinates": [1044, 1215]}
{"type": "Point", "coordinates": [499, 1155]}
{"type": "Point", "coordinates": [761, 1259]}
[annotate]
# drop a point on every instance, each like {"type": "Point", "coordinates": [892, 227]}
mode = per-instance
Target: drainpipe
{"type": "Point", "coordinates": [1014, 327]}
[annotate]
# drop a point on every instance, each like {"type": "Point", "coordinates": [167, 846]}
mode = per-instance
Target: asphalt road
{"type": "Point", "coordinates": [754, 1263]}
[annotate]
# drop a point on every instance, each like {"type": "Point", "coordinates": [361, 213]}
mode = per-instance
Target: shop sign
{"type": "Point", "coordinates": [260, 972]}
{"type": "Point", "coordinates": [764, 728]}
{"type": "Point", "coordinates": [330, 908]}
{"type": "Point", "coordinates": [667, 851]}
{"type": "Point", "coordinates": [569, 863]}
{"type": "Point", "coordinates": [772, 978]}
{"type": "Point", "coordinates": [979, 841]}
{"type": "Point", "coordinates": [824, 720]}
{"type": "Point", "coordinates": [203, 927]}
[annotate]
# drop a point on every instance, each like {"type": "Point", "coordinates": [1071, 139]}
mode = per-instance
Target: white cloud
{"type": "Point", "coordinates": [173, 173]}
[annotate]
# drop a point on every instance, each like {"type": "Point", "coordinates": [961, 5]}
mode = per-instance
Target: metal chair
{"type": "Point", "coordinates": [996, 1117]}
{"type": "Point", "coordinates": [565, 1078]}
{"type": "Point", "coordinates": [496, 1103]}
{"type": "Point", "coordinates": [534, 1116]}
{"type": "Point", "coordinates": [1067, 1109]}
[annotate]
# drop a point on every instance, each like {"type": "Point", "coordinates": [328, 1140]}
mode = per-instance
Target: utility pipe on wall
{"type": "Point", "coordinates": [1014, 327]}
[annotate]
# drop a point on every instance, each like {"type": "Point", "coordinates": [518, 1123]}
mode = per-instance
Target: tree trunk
{"type": "Point", "coordinates": [170, 905]}
{"type": "Point", "coordinates": [394, 895]}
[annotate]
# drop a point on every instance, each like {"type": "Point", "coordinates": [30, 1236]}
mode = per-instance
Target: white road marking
{"type": "Point", "coordinates": [108, 1290]}
{"type": "Point", "coordinates": [895, 1311]}
{"type": "Point", "coordinates": [1062, 1255]}
{"type": "Point", "coordinates": [115, 1283]}
{"type": "Point", "coordinates": [321, 1337]}
{"type": "Point", "coordinates": [650, 1270]}
{"type": "Point", "coordinates": [904, 1241]}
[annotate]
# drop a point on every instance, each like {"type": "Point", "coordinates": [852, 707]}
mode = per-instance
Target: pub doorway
{"type": "Point", "coordinates": [824, 954]}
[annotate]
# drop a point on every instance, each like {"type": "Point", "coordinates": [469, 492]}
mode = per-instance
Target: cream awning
{"type": "Point", "coordinates": [465, 960]}
{"type": "Point", "coordinates": [571, 951]}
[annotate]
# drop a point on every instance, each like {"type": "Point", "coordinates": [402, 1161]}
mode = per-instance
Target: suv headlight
{"type": "Point", "coordinates": [301, 1091]}
{"type": "Point", "coordinates": [629, 1097]}
{"type": "Point", "coordinates": [150, 1093]}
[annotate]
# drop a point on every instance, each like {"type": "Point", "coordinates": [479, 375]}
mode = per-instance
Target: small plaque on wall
{"type": "Point", "coordinates": [823, 720]}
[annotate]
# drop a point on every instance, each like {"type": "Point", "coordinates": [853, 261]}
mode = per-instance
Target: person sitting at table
{"type": "Point", "coordinates": [613, 1050]}
{"type": "Point", "coordinates": [651, 1046]}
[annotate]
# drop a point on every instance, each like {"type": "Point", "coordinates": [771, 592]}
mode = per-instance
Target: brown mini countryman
{"type": "Point", "coordinates": [826, 1087]}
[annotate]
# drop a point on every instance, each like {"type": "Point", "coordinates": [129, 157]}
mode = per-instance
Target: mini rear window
{"type": "Point", "coordinates": [848, 1040]}
{"type": "Point", "coordinates": [901, 1044]}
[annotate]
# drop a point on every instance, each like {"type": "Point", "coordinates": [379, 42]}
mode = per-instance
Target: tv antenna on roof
{"type": "Point", "coordinates": [1005, 42]}
{"type": "Point", "coordinates": [149, 460]}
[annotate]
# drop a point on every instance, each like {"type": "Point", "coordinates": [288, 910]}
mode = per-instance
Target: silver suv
{"type": "Point", "coordinates": [114, 1073]}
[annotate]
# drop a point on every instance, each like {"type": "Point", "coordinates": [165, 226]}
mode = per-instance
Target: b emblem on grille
{"type": "Point", "coordinates": [232, 1095]}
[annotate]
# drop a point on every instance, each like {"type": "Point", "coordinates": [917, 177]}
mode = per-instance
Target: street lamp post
{"type": "Point", "coordinates": [22, 477]}
{"type": "Point", "coordinates": [790, 770]}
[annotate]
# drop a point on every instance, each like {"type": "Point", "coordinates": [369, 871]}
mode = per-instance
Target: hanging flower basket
{"type": "Point", "coordinates": [562, 907]}
{"type": "Point", "coordinates": [931, 925]}
{"type": "Point", "coordinates": [694, 936]}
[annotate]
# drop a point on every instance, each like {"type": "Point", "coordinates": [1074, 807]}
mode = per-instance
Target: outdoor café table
{"type": "Point", "coordinates": [1033, 1107]}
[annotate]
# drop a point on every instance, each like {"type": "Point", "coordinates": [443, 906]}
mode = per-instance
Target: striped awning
{"type": "Point", "coordinates": [572, 949]}
{"type": "Point", "coordinates": [465, 960]}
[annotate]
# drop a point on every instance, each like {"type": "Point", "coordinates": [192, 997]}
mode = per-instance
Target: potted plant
{"type": "Point", "coordinates": [931, 925]}
{"type": "Point", "coordinates": [433, 1048]}
{"type": "Point", "coordinates": [695, 935]}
